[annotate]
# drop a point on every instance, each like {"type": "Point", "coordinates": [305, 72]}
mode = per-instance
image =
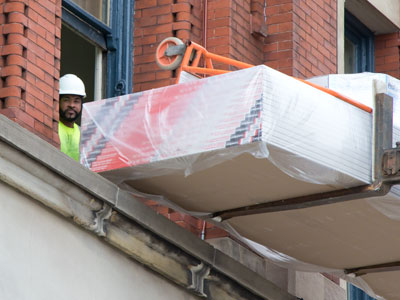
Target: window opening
{"type": "Point", "coordinates": [97, 8]}
{"type": "Point", "coordinates": [359, 46]}
{"type": "Point", "coordinates": [99, 52]}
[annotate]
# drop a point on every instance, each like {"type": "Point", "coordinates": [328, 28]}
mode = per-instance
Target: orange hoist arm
{"type": "Point", "coordinates": [173, 54]}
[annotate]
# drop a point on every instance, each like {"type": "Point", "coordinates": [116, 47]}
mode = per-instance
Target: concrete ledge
{"type": "Point", "coordinates": [42, 172]}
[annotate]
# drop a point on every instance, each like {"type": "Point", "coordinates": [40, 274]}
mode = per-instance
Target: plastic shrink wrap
{"type": "Point", "coordinates": [243, 138]}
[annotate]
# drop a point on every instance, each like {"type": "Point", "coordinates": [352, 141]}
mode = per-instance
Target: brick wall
{"type": "Point", "coordinates": [315, 38]}
{"type": "Point", "coordinates": [235, 30]}
{"type": "Point", "coordinates": [156, 20]}
{"type": "Point", "coordinates": [297, 37]}
{"type": "Point", "coordinates": [30, 59]}
{"type": "Point", "coordinates": [301, 37]}
{"type": "Point", "coordinates": [197, 226]}
{"type": "Point", "coordinates": [387, 58]}
{"type": "Point", "coordinates": [278, 47]}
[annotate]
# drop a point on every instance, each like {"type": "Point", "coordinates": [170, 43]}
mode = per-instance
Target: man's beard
{"type": "Point", "coordinates": [63, 116]}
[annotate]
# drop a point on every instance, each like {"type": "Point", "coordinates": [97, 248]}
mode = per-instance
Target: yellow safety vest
{"type": "Point", "coordinates": [69, 139]}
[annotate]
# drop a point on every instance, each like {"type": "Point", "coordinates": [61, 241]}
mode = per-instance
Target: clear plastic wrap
{"type": "Point", "coordinates": [177, 125]}
{"type": "Point", "coordinates": [363, 87]}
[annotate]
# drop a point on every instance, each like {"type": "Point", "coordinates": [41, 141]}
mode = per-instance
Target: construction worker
{"type": "Point", "coordinates": [72, 92]}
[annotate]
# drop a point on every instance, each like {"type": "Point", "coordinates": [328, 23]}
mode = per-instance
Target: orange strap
{"type": "Point", "coordinates": [337, 95]}
{"type": "Point", "coordinates": [208, 56]}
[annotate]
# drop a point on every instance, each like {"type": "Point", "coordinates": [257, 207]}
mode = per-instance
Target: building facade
{"type": "Point", "coordinates": [111, 45]}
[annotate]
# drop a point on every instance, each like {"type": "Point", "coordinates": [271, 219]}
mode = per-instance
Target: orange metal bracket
{"type": "Point", "coordinates": [194, 53]}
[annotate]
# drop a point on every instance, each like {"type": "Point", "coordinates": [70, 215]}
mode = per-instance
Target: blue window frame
{"type": "Point", "coordinates": [359, 46]}
{"type": "Point", "coordinates": [115, 41]}
{"type": "Point", "coordinates": [354, 293]}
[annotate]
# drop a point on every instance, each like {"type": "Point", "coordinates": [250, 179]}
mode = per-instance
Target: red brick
{"type": "Point", "coordinates": [50, 26]}
{"type": "Point", "coordinates": [33, 112]}
{"type": "Point", "coordinates": [151, 39]}
{"type": "Point", "coordinates": [156, 11]}
{"type": "Point", "coordinates": [385, 68]}
{"type": "Point", "coordinates": [11, 70]}
{"type": "Point", "coordinates": [31, 35]}
{"type": "Point", "coordinates": [187, 226]}
{"type": "Point", "coordinates": [17, 17]}
{"type": "Point", "coordinates": [219, 4]}
{"type": "Point", "coordinates": [15, 81]}
{"type": "Point", "coordinates": [379, 60]}
{"type": "Point", "coordinates": [10, 113]}
{"type": "Point", "coordinates": [148, 67]}
{"type": "Point", "coordinates": [12, 49]}
{"type": "Point", "coordinates": [56, 139]}
{"type": "Point", "coordinates": [163, 210]}
{"type": "Point", "coordinates": [31, 14]}
{"type": "Point", "coordinates": [144, 77]}
{"type": "Point", "coordinates": [139, 4]}
{"type": "Point", "coordinates": [183, 16]}
{"type": "Point", "coordinates": [13, 28]}
{"type": "Point", "coordinates": [14, 38]}
{"type": "Point", "coordinates": [39, 30]}
{"type": "Point", "coordinates": [223, 40]}
{"type": "Point", "coordinates": [215, 232]}
{"type": "Point", "coordinates": [137, 51]}
{"type": "Point", "coordinates": [156, 84]}
{"type": "Point", "coordinates": [12, 102]}
{"type": "Point", "coordinates": [192, 220]}
{"type": "Point", "coordinates": [165, 19]}
{"type": "Point", "coordinates": [44, 130]}
{"type": "Point", "coordinates": [386, 51]}
{"type": "Point", "coordinates": [34, 91]}
{"type": "Point", "coordinates": [45, 87]}
{"type": "Point", "coordinates": [49, 100]}
{"type": "Point", "coordinates": [392, 43]}
{"type": "Point", "coordinates": [157, 29]}
{"type": "Point", "coordinates": [14, 7]}
{"type": "Point", "coordinates": [11, 91]}
{"type": "Point", "coordinates": [164, 2]}
{"type": "Point", "coordinates": [176, 216]}
{"type": "Point", "coordinates": [45, 66]}
{"type": "Point", "coordinates": [163, 75]}
{"type": "Point", "coordinates": [142, 22]}
{"type": "Point", "coordinates": [181, 25]}
{"type": "Point", "coordinates": [181, 7]}
{"type": "Point", "coordinates": [25, 118]}
{"type": "Point", "coordinates": [391, 59]}
{"type": "Point", "coordinates": [46, 45]}
{"type": "Point", "coordinates": [283, 18]}
{"type": "Point", "coordinates": [35, 70]}
{"type": "Point", "coordinates": [145, 59]}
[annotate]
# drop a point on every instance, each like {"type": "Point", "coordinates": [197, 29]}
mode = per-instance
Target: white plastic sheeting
{"type": "Point", "coordinates": [176, 125]}
{"type": "Point", "coordinates": [363, 87]}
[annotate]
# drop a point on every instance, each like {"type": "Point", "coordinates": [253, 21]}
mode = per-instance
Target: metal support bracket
{"type": "Point", "coordinates": [175, 50]}
{"type": "Point", "coordinates": [385, 161]}
{"type": "Point", "coordinates": [391, 164]}
{"type": "Point", "coordinates": [386, 267]}
{"type": "Point", "coordinates": [199, 273]}
{"type": "Point", "coordinates": [101, 215]}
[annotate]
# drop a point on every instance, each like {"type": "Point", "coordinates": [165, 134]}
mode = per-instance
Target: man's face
{"type": "Point", "coordinates": [70, 107]}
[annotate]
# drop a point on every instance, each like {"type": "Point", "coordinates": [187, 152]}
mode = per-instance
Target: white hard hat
{"type": "Point", "coordinates": [71, 84]}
